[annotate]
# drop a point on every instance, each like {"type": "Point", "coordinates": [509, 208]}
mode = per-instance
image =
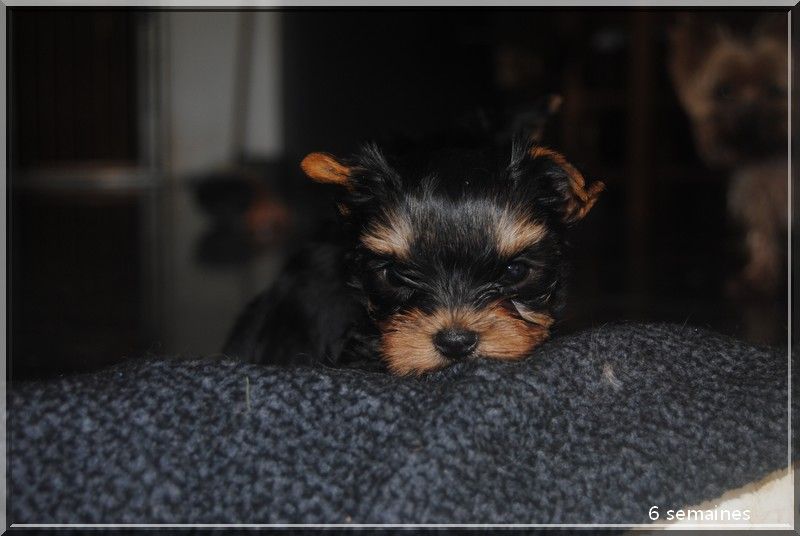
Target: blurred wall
{"type": "Point", "coordinates": [200, 51]}
{"type": "Point", "coordinates": [201, 54]}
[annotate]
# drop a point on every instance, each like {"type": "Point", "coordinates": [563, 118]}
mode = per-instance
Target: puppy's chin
{"type": "Point", "coordinates": [407, 338]}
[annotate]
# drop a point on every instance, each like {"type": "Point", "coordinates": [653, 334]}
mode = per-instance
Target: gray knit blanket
{"type": "Point", "coordinates": [595, 427]}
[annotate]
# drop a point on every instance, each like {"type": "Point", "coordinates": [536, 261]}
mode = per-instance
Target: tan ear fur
{"type": "Point", "coordinates": [580, 200]}
{"type": "Point", "coordinates": [324, 168]}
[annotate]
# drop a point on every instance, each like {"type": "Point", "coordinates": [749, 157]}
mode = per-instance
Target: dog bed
{"type": "Point", "coordinates": [595, 427]}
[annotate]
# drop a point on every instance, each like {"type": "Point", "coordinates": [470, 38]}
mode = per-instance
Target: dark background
{"type": "Point", "coordinates": [117, 251]}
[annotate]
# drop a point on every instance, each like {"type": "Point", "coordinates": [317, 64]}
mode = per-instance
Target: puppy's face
{"type": "Point", "coordinates": [458, 255]}
{"type": "Point", "coordinates": [733, 89]}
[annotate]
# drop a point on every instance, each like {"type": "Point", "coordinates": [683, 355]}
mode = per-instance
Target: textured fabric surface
{"type": "Point", "coordinates": [596, 427]}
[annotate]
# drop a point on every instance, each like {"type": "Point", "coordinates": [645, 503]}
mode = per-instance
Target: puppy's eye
{"type": "Point", "coordinates": [515, 272]}
{"type": "Point", "coordinates": [392, 277]}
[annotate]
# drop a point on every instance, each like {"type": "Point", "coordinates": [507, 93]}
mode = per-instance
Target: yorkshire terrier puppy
{"type": "Point", "coordinates": [441, 254]}
{"type": "Point", "coordinates": [731, 76]}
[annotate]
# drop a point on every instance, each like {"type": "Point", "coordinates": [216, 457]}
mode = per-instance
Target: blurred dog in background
{"type": "Point", "coordinates": [731, 77]}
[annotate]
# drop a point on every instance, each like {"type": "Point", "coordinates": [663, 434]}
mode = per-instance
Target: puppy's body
{"type": "Point", "coordinates": [305, 316]}
{"type": "Point", "coordinates": [444, 253]}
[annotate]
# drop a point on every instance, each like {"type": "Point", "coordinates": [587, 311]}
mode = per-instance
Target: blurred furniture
{"type": "Point", "coordinates": [83, 183]}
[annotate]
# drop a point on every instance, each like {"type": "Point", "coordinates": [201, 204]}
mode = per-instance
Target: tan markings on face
{"type": "Point", "coordinates": [407, 340]}
{"type": "Point", "coordinates": [392, 237]}
{"type": "Point", "coordinates": [582, 200]}
{"type": "Point", "coordinates": [514, 234]}
{"type": "Point", "coordinates": [407, 345]}
{"type": "Point", "coordinates": [505, 336]}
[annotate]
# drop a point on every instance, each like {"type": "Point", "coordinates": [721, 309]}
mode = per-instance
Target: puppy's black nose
{"type": "Point", "coordinates": [455, 343]}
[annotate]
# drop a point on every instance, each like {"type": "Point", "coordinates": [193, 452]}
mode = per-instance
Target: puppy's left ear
{"type": "Point", "coordinates": [575, 198]}
{"type": "Point", "coordinates": [324, 168]}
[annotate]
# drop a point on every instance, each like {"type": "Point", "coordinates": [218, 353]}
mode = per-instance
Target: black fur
{"type": "Point", "coordinates": [327, 304]}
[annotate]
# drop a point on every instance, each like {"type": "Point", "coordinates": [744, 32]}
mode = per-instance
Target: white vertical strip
{"type": "Point", "coordinates": [202, 62]}
{"type": "Point", "coordinates": [264, 126]}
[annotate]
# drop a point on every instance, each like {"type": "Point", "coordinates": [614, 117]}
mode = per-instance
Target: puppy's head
{"type": "Point", "coordinates": [732, 82]}
{"type": "Point", "coordinates": [458, 254]}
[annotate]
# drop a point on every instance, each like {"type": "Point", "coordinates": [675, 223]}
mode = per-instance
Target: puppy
{"type": "Point", "coordinates": [731, 77]}
{"type": "Point", "coordinates": [441, 254]}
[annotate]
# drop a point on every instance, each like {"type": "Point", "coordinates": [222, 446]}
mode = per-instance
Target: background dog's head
{"type": "Point", "coordinates": [731, 78]}
{"type": "Point", "coordinates": [457, 253]}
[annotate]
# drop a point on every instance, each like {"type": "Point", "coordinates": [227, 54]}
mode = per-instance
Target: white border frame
{"type": "Point", "coordinates": [246, 4]}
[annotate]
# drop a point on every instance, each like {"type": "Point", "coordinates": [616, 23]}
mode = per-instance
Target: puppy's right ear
{"type": "Point", "coordinates": [324, 168]}
{"type": "Point", "coordinates": [576, 199]}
